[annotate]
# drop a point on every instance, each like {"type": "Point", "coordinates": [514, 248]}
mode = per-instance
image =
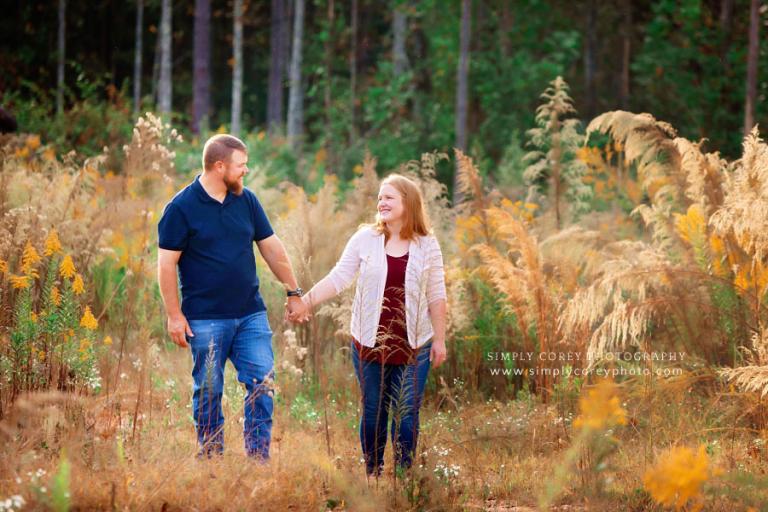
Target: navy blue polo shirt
{"type": "Point", "coordinates": [217, 267]}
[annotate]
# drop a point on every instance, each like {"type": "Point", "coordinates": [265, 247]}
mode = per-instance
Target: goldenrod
{"type": "Point", "coordinates": [33, 142]}
{"type": "Point", "coordinates": [88, 320]}
{"type": "Point", "coordinates": [19, 282]}
{"type": "Point", "coordinates": [52, 243]}
{"type": "Point", "coordinates": [55, 296]}
{"type": "Point", "coordinates": [67, 267]}
{"type": "Point", "coordinates": [29, 259]}
{"type": "Point", "coordinates": [678, 476]}
{"type": "Point", "coordinates": [692, 226]}
{"type": "Point", "coordinates": [600, 407]}
{"type": "Point", "coordinates": [77, 285]}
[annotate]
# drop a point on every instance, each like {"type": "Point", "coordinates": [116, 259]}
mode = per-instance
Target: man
{"type": "Point", "coordinates": [208, 230]}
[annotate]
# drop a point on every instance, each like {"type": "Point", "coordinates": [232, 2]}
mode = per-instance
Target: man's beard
{"type": "Point", "coordinates": [234, 186]}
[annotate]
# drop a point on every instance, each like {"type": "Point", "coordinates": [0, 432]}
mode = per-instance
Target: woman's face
{"type": "Point", "coordinates": [390, 204]}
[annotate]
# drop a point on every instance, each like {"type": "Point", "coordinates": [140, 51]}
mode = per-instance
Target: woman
{"type": "Point", "coordinates": [398, 317]}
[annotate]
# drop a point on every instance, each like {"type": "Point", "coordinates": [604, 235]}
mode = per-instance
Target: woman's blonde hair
{"type": "Point", "coordinates": [415, 220]}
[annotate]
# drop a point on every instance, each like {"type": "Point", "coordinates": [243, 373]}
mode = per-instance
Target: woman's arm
{"type": "Point", "coordinates": [437, 304]}
{"type": "Point", "coordinates": [340, 277]}
{"type": "Point", "coordinates": [436, 278]}
{"type": "Point", "coordinates": [319, 293]}
{"type": "Point", "coordinates": [438, 353]}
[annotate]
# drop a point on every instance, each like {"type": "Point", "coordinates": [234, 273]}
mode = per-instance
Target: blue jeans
{"type": "Point", "coordinates": [396, 387]}
{"type": "Point", "coordinates": [247, 342]}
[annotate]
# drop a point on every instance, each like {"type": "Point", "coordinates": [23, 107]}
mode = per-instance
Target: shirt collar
{"type": "Point", "coordinates": [198, 187]}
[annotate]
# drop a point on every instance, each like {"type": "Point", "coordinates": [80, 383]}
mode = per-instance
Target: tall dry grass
{"type": "Point", "coordinates": [683, 272]}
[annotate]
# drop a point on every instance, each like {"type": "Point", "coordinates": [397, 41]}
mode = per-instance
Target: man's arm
{"type": "Point", "coordinates": [169, 290]}
{"type": "Point", "coordinates": [274, 253]}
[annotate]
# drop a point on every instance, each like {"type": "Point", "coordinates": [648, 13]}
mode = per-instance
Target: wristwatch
{"type": "Point", "coordinates": [298, 292]}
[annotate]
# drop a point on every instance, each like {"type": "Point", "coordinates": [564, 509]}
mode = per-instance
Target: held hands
{"type": "Point", "coordinates": [297, 310]}
{"type": "Point", "coordinates": [177, 328]}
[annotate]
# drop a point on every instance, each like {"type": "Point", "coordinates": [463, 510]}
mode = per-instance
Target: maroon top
{"type": "Point", "coordinates": [391, 338]}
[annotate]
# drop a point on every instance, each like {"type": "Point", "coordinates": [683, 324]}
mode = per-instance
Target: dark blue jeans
{"type": "Point", "coordinates": [247, 342]}
{"type": "Point", "coordinates": [385, 387]}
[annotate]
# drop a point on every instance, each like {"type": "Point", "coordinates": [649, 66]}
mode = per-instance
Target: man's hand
{"type": "Point", "coordinates": [177, 328]}
{"type": "Point", "coordinates": [297, 310]}
{"type": "Point", "coordinates": [437, 354]}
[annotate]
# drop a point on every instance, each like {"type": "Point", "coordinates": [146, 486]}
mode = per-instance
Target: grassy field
{"type": "Point", "coordinates": [669, 258]}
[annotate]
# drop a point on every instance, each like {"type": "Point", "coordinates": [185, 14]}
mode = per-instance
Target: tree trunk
{"type": "Point", "coordinates": [296, 95]}
{"type": "Point", "coordinates": [353, 74]}
{"type": "Point", "coordinates": [330, 158]}
{"type": "Point", "coordinates": [137, 56]}
{"type": "Point", "coordinates": [156, 71]}
{"type": "Point", "coordinates": [278, 43]}
{"type": "Point", "coordinates": [237, 69]}
{"type": "Point", "coordinates": [752, 56]}
{"type": "Point", "coordinates": [462, 89]}
{"type": "Point", "coordinates": [590, 62]}
{"type": "Point", "coordinates": [626, 56]}
{"type": "Point", "coordinates": [505, 28]}
{"type": "Point", "coordinates": [61, 56]}
{"type": "Point", "coordinates": [164, 83]}
{"type": "Point", "coordinates": [399, 33]}
{"type": "Point", "coordinates": [726, 28]}
{"type": "Point", "coordinates": [202, 66]}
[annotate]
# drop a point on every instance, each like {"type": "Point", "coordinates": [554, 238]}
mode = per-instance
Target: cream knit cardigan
{"type": "Point", "coordinates": [424, 284]}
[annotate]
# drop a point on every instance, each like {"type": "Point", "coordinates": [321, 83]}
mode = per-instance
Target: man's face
{"type": "Point", "coordinates": [234, 172]}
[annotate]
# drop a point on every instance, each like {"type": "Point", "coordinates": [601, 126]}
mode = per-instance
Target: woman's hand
{"type": "Point", "coordinates": [437, 354]}
{"type": "Point", "coordinates": [297, 310]}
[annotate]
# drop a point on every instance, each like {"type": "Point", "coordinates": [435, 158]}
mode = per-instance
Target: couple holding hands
{"type": "Point", "coordinates": [206, 235]}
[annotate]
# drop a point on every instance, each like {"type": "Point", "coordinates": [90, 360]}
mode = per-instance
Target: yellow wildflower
{"type": "Point", "coordinates": [22, 152]}
{"type": "Point", "coordinates": [49, 155]}
{"type": "Point", "coordinates": [88, 320]}
{"type": "Point", "coordinates": [55, 296]}
{"type": "Point", "coordinates": [719, 253]}
{"type": "Point", "coordinates": [67, 267]}
{"type": "Point", "coordinates": [18, 282]}
{"type": "Point", "coordinates": [600, 407]}
{"type": "Point", "coordinates": [3, 266]}
{"type": "Point", "coordinates": [41, 356]}
{"type": "Point", "coordinates": [77, 285]}
{"type": "Point", "coordinates": [692, 226]}
{"type": "Point", "coordinates": [742, 279]}
{"type": "Point", "coordinates": [678, 476]}
{"type": "Point", "coordinates": [33, 142]}
{"type": "Point", "coordinates": [52, 243]}
{"type": "Point", "coordinates": [29, 259]}
{"type": "Point", "coordinates": [108, 340]}
{"type": "Point", "coordinates": [33, 317]}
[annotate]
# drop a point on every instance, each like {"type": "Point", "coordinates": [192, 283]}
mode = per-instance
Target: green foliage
{"type": "Point", "coordinates": [60, 496]}
{"type": "Point", "coordinates": [98, 116]}
{"type": "Point", "coordinates": [683, 78]}
{"type": "Point", "coordinates": [304, 410]}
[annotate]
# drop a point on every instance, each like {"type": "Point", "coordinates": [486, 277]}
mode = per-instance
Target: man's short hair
{"type": "Point", "coordinates": [220, 148]}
